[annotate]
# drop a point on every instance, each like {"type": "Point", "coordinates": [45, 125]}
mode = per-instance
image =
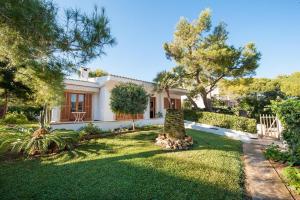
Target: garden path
{"type": "Point", "coordinates": [262, 180]}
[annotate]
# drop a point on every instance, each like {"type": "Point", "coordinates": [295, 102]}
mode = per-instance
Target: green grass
{"type": "Point", "coordinates": [130, 166]}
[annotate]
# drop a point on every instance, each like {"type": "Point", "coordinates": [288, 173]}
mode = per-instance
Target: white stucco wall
{"type": "Point", "coordinates": [104, 125]}
{"type": "Point", "coordinates": [55, 114]}
{"type": "Point", "coordinates": [101, 90]}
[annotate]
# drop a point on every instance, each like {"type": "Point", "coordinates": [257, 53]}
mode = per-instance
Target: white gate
{"type": "Point", "coordinates": [270, 126]}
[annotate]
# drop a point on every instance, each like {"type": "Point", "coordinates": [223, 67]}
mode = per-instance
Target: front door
{"type": "Point", "coordinates": [152, 107]}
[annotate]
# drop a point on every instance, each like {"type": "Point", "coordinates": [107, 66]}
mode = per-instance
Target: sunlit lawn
{"type": "Point", "coordinates": [130, 167]}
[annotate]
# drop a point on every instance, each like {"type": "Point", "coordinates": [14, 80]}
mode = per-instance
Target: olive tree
{"type": "Point", "coordinates": [129, 98]}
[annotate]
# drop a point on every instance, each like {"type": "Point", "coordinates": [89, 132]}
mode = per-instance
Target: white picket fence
{"type": "Point", "coordinates": [270, 126]}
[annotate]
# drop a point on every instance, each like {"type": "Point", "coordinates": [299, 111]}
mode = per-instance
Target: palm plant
{"type": "Point", "coordinates": [40, 144]}
{"type": "Point", "coordinates": [164, 81]}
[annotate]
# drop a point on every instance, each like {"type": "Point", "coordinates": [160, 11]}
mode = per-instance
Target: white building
{"type": "Point", "coordinates": [91, 98]}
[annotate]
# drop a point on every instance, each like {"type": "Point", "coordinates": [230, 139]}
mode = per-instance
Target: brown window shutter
{"type": "Point", "coordinates": [65, 108]}
{"type": "Point", "coordinates": [166, 103]}
{"type": "Point", "coordinates": [178, 104]}
{"type": "Point", "coordinates": [121, 116]}
{"type": "Point", "coordinates": [88, 107]}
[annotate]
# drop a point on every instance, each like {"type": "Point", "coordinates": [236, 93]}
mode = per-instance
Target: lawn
{"type": "Point", "coordinates": [130, 166]}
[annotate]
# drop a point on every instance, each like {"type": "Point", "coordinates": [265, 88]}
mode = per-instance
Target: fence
{"type": "Point", "coordinates": [270, 126]}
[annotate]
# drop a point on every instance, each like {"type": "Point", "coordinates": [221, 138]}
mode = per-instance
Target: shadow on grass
{"type": "Point", "coordinates": [138, 175]}
{"type": "Point", "coordinates": [108, 178]}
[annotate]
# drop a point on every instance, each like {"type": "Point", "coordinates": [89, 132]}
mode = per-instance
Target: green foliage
{"type": "Point", "coordinates": [274, 153]}
{"type": "Point", "coordinates": [292, 176]}
{"type": "Point", "coordinates": [15, 118]}
{"type": "Point", "coordinates": [164, 81]}
{"type": "Point", "coordinates": [41, 47]}
{"type": "Point", "coordinates": [222, 120]}
{"type": "Point", "coordinates": [97, 73]}
{"type": "Point", "coordinates": [90, 129]}
{"type": "Point", "coordinates": [190, 115]}
{"type": "Point", "coordinates": [30, 112]}
{"type": "Point", "coordinates": [253, 95]}
{"type": "Point", "coordinates": [290, 84]}
{"type": "Point", "coordinates": [128, 98]}
{"type": "Point", "coordinates": [205, 57]}
{"type": "Point", "coordinates": [49, 143]}
{"type": "Point", "coordinates": [288, 112]}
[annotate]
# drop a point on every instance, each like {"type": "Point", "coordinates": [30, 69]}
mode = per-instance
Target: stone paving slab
{"type": "Point", "coordinates": [262, 181]}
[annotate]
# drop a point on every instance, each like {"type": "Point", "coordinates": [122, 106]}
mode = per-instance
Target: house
{"type": "Point", "coordinates": [91, 96]}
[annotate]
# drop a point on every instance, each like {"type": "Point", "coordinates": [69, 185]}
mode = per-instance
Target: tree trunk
{"type": "Point", "coordinates": [43, 117]}
{"type": "Point", "coordinates": [5, 103]}
{"type": "Point", "coordinates": [206, 101]}
{"type": "Point", "coordinates": [169, 98]}
{"type": "Point", "coordinates": [195, 106]}
{"type": "Point", "coordinates": [133, 125]}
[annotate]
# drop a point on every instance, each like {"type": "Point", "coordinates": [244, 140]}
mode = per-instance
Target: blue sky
{"type": "Point", "coordinates": [142, 26]}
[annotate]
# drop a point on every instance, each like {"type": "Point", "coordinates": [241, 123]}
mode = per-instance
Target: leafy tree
{"type": "Point", "coordinates": [253, 95]}
{"type": "Point", "coordinates": [98, 73]}
{"type": "Point", "coordinates": [164, 81]}
{"type": "Point", "coordinates": [206, 57]}
{"type": "Point", "coordinates": [290, 84]}
{"type": "Point", "coordinates": [11, 88]}
{"type": "Point", "coordinates": [288, 112]}
{"type": "Point", "coordinates": [48, 46]}
{"type": "Point", "coordinates": [129, 98]}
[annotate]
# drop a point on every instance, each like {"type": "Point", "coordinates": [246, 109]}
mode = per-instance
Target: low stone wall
{"type": "Point", "coordinates": [107, 125]}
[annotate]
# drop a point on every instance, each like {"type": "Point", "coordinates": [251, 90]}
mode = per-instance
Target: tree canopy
{"type": "Point", "coordinates": [164, 81]}
{"type": "Point", "coordinates": [290, 84]}
{"type": "Point", "coordinates": [206, 57]}
{"type": "Point", "coordinates": [129, 98]}
{"type": "Point", "coordinates": [42, 46]}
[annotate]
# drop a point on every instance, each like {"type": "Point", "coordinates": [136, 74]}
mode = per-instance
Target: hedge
{"type": "Point", "coordinates": [222, 120]}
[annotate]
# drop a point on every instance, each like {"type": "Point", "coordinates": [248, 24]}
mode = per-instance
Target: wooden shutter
{"type": "Point", "coordinates": [166, 103]}
{"type": "Point", "coordinates": [88, 106]}
{"type": "Point", "coordinates": [178, 104]}
{"type": "Point", "coordinates": [121, 116]}
{"type": "Point", "coordinates": [66, 108]}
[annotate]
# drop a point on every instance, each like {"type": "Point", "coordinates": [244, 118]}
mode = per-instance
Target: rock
{"type": "Point", "coordinates": [173, 143]}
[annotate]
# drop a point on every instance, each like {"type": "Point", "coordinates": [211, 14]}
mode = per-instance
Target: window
{"type": "Point", "coordinates": [77, 102]}
{"type": "Point", "coordinates": [73, 102]}
{"type": "Point", "coordinates": [80, 102]}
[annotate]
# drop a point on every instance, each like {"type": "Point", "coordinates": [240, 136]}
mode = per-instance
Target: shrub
{"type": "Point", "coordinates": [90, 129]}
{"type": "Point", "coordinates": [288, 112]}
{"type": "Point", "coordinates": [222, 120]}
{"type": "Point", "coordinates": [48, 143]}
{"type": "Point", "coordinates": [190, 115]}
{"type": "Point", "coordinates": [30, 112]}
{"type": "Point", "coordinates": [273, 153]}
{"type": "Point", "coordinates": [292, 176]}
{"type": "Point", "coordinates": [15, 118]}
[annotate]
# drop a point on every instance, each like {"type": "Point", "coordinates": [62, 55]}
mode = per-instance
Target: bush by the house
{"type": "Point", "coordinates": [30, 112]}
{"type": "Point", "coordinates": [90, 129]}
{"type": "Point", "coordinates": [288, 112]}
{"type": "Point", "coordinates": [222, 120]}
{"type": "Point", "coordinates": [292, 177]}
{"type": "Point", "coordinates": [14, 118]}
